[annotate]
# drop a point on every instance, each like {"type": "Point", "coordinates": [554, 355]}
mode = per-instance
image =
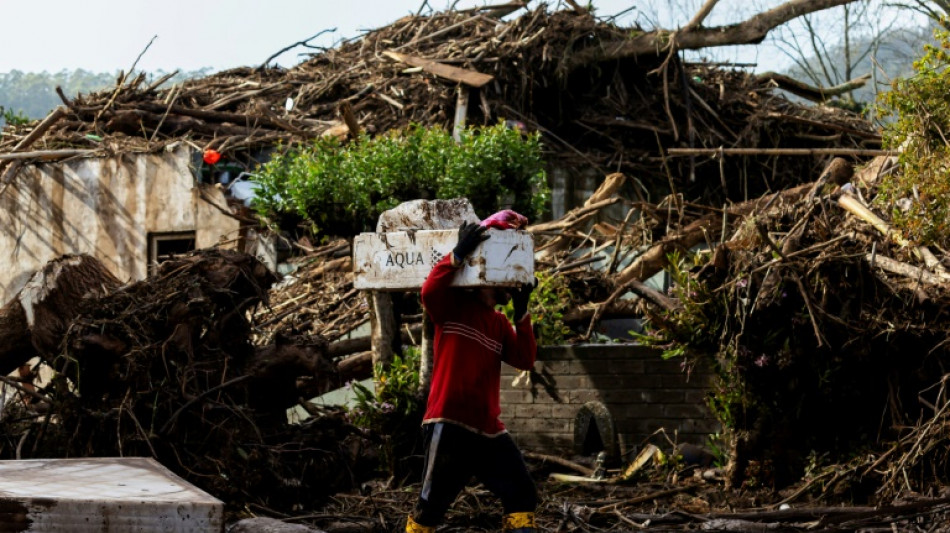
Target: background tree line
{"type": "Point", "coordinates": [31, 95]}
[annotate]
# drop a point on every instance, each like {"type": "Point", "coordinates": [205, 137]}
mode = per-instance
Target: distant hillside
{"type": "Point", "coordinates": [34, 94]}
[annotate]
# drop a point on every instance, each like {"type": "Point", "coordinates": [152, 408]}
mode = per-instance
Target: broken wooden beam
{"type": "Point", "coordinates": [707, 228]}
{"type": "Point", "coordinates": [346, 347]}
{"type": "Point", "coordinates": [857, 208]}
{"type": "Point", "coordinates": [469, 77]}
{"type": "Point", "coordinates": [815, 94]}
{"type": "Point", "coordinates": [561, 461]}
{"type": "Point", "coordinates": [45, 155]}
{"type": "Point", "coordinates": [676, 152]}
{"type": "Point", "coordinates": [27, 141]}
{"type": "Point", "coordinates": [911, 272]}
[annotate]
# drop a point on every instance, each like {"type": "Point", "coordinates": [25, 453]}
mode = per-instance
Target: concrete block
{"type": "Point", "coordinates": [555, 442]}
{"type": "Point", "coordinates": [684, 381]}
{"type": "Point", "coordinates": [697, 396]}
{"type": "Point", "coordinates": [537, 425]}
{"type": "Point", "coordinates": [685, 411]}
{"type": "Point", "coordinates": [663, 396]}
{"type": "Point", "coordinates": [565, 411]}
{"type": "Point", "coordinates": [103, 495]}
{"type": "Point", "coordinates": [582, 352]}
{"type": "Point", "coordinates": [509, 397]}
{"type": "Point", "coordinates": [664, 366]}
{"type": "Point", "coordinates": [582, 396]}
{"type": "Point", "coordinates": [427, 214]}
{"type": "Point", "coordinates": [573, 381]}
{"type": "Point", "coordinates": [535, 410]}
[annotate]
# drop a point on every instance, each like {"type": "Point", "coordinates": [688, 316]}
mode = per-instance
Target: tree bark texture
{"type": "Point", "coordinates": [751, 31]}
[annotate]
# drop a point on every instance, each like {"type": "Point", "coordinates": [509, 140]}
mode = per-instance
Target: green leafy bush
{"type": "Point", "coordinates": [698, 329]}
{"type": "Point", "coordinates": [548, 303]}
{"type": "Point", "coordinates": [342, 189]}
{"type": "Point", "coordinates": [918, 196]}
{"type": "Point", "coordinates": [395, 397]}
{"type": "Point", "coordinates": [698, 325]}
{"type": "Point", "coordinates": [394, 411]}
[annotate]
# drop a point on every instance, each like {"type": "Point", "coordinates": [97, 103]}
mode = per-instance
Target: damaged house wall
{"type": "Point", "coordinates": [108, 208]}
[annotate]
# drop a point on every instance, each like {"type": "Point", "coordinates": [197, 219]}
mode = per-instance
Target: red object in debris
{"type": "Point", "coordinates": [506, 219]}
{"type": "Point", "coordinates": [212, 157]}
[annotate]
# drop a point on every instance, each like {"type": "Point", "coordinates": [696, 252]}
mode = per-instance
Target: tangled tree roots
{"type": "Point", "coordinates": [165, 368]}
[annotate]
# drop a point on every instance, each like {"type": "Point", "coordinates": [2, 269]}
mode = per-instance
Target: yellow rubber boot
{"type": "Point", "coordinates": [414, 527]}
{"type": "Point", "coordinates": [519, 523]}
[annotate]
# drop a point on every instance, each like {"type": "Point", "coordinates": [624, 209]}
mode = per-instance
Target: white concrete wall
{"type": "Point", "coordinates": [105, 207]}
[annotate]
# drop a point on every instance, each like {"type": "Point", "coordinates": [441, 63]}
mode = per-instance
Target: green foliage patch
{"type": "Point", "coordinates": [340, 189]}
{"type": "Point", "coordinates": [549, 301]}
{"type": "Point", "coordinates": [918, 196]}
{"type": "Point", "coordinates": [393, 411]}
{"type": "Point", "coordinates": [13, 117]}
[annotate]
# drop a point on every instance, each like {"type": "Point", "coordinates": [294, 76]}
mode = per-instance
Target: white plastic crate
{"type": "Point", "coordinates": [401, 260]}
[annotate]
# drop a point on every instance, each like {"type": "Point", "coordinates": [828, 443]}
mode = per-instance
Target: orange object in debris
{"type": "Point", "coordinates": [212, 157]}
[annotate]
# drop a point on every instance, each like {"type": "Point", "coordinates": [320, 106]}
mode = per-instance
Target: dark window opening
{"type": "Point", "coordinates": [592, 441]}
{"type": "Point", "coordinates": [594, 430]}
{"type": "Point", "coordinates": [162, 246]}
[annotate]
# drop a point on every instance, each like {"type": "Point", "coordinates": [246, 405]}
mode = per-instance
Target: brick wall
{"type": "Point", "coordinates": [640, 391]}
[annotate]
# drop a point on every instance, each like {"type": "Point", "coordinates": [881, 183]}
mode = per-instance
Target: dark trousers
{"type": "Point", "coordinates": [454, 455]}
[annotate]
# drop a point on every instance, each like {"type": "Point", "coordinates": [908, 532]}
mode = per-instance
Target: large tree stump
{"type": "Point", "coordinates": [34, 322]}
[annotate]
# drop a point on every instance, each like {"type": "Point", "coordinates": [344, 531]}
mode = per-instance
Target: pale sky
{"type": "Point", "coordinates": [108, 35]}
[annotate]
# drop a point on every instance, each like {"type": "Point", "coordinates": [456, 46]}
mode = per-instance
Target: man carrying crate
{"type": "Point", "coordinates": [464, 436]}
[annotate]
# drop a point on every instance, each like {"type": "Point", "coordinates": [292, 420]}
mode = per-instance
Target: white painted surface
{"type": "Point", "coordinates": [104, 207]}
{"type": "Point", "coordinates": [103, 495]}
{"type": "Point", "coordinates": [401, 260]}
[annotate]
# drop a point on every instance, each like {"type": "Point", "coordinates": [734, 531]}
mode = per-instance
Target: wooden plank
{"type": "Point", "coordinates": [37, 132]}
{"type": "Point", "coordinates": [461, 111]}
{"type": "Point", "coordinates": [45, 154]}
{"type": "Point", "coordinates": [383, 329]}
{"type": "Point", "coordinates": [401, 260]}
{"type": "Point", "coordinates": [673, 152]}
{"type": "Point", "coordinates": [471, 78]}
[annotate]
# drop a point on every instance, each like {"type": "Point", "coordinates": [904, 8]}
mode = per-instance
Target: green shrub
{"type": "Point", "coordinates": [394, 411]}
{"type": "Point", "coordinates": [342, 189]}
{"type": "Point", "coordinates": [548, 303]}
{"type": "Point", "coordinates": [395, 397]}
{"type": "Point", "coordinates": [697, 326]}
{"type": "Point", "coordinates": [918, 196]}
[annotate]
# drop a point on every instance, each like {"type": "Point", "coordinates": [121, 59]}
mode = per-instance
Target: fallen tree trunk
{"type": "Point", "coordinates": [361, 344]}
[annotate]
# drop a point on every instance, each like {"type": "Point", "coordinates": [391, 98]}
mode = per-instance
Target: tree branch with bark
{"type": "Point", "coordinates": [694, 36]}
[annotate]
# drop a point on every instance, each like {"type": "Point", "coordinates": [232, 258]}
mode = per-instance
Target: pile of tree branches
{"type": "Point", "coordinates": [600, 100]}
{"type": "Point", "coordinates": [809, 306]}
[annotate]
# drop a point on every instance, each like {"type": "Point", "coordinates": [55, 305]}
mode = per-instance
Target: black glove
{"type": "Point", "coordinates": [520, 298]}
{"type": "Point", "coordinates": [470, 236]}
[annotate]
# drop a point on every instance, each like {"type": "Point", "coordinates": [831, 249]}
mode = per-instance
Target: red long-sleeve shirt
{"type": "Point", "coordinates": [471, 342]}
